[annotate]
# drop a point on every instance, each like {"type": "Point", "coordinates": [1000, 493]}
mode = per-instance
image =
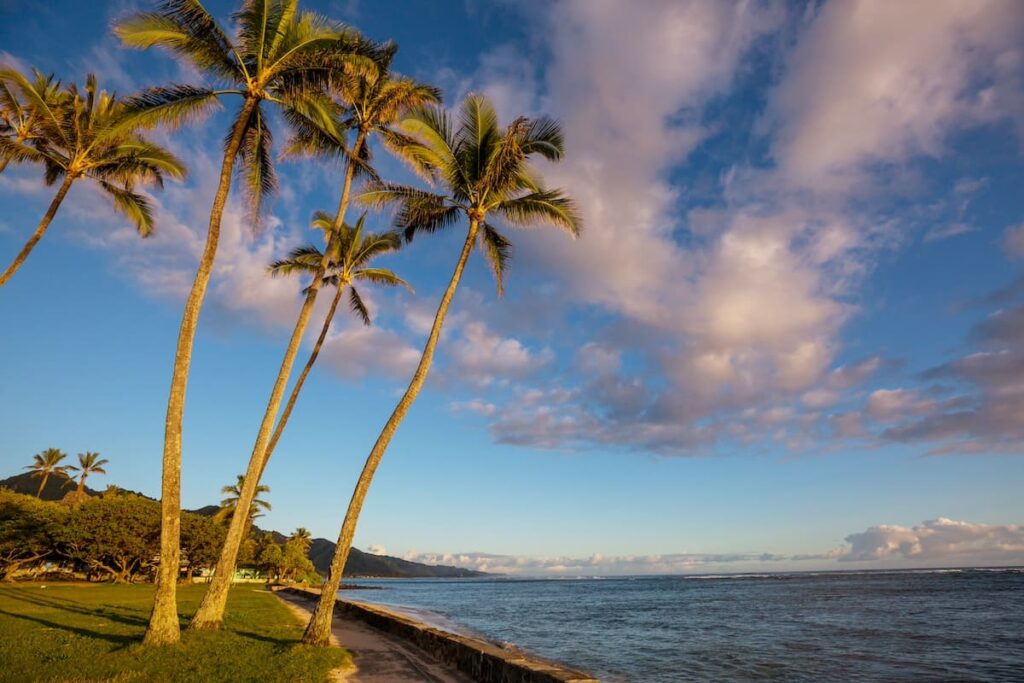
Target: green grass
{"type": "Point", "coordinates": [91, 632]}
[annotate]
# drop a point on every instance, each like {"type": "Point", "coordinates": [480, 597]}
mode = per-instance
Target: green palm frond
{"type": "Point", "coordinates": [498, 251]}
{"type": "Point", "coordinates": [257, 166]}
{"type": "Point", "coordinates": [172, 106]}
{"type": "Point", "coordinates": [131, 204]}
{"type": "Point", "coordinates": [547, 206]}
{"type": "Point", "coordinates": [357, 305]}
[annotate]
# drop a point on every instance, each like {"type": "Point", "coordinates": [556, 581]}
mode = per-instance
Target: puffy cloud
{"type": "Point", "coordinates": [873, 82]}
{"type": "Point", "coordinates": [482, 357]}
{"type": "Point", "coordinates": [937, 539]}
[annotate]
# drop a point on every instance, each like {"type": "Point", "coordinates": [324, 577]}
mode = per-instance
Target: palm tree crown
{"type": "Point", "coordinates": [351, 250]}
{"type": "Point", "coordinates": [87, 134]}
{"type": "Point", "coordinates": [19, 114]}
{"type": "Point", "coordinates": [485, 170]}
{"type": "Point", "coordinates": [89, 462]}
{"type": "Point", "coordinates": [302, 536]}
{"type": "Point", "coordinates": [232, 492]}
{"type": "Point", "coordinates": [46, 463]}
{"type": "Point", "coordinates": [277, 54]}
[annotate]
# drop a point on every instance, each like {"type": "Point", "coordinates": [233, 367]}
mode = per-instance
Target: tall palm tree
{"type": "Point", "coordinates": [88, 135]}
{"type": "Point", "coordinates": [484, 170]}
{"type": "Point", "coordinates": [88, 463]}
{"type": "Point", "coordinates": [277, 55]}
{"type": "Point", "coordinates": [230, 504]}
{"type": "Point", "coordinates": [302, 536]}
{"type": "Point", "coordinates": [352, 252]}
{"type": "Point", "coordinates": [20, 118]}
{"type": "Point", "coordinates": [375, 99]}
{"type": "Point", "coordinates": [46, 463]}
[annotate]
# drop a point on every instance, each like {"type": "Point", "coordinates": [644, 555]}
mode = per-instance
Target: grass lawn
{"type": "Point", "coordinates": [91, 632]}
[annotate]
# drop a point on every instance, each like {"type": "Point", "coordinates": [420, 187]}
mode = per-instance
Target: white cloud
{"type": "Point", "coordinates": [937, 539]}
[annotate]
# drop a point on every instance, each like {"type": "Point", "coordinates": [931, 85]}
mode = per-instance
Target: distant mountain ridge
{"type": "Point", "coordinates": [360, 564]}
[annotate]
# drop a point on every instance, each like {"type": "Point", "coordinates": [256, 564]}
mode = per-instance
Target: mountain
{"type": "Point", "coordinates": [359, 564]}
{"type": "Point", "coordinates": [57, 486]}
{"type": "Point", "coordinates": [365, 564]}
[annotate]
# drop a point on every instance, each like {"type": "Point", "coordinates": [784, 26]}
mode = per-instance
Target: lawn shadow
{"type": "Point", "coordinates": [67, 605]}
{"type": "Point", "coordinates": [122, 640]}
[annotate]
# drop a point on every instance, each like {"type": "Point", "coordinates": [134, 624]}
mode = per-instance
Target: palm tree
{"type": "Point", "coordinates": [88, 135]}
{"type": "Point", "coordinates": [46, 463]}
{"type": "Point", "coordinates": [353, 251]}
{"type": "Point", "coordinates": [88, 463]}
{"type": "Point", "coordinates": [485, 171]}
{"type": "Point", "coordinates": [229, 505]}
{"type": "Point", "coordinates": [302, 537]}
{"type": "Point", "coordinates": [19, 116]}
{"type": "Point", "coordinates": [375, 100]}
{"type": "Point", "coordinates": [278, 55]}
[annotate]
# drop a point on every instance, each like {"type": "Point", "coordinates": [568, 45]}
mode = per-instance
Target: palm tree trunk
{"type": "Point", "coordinates": [39, 493]}
{"type": "Point", "coordinates": [163, 626]}
{"type": "Point", "coordinates": [210, 614]}
{"type": "Point", "coordinates": [318, 631]}
{"type": "Point", "coordinates": [304, 374]}
{"type": "Point", "coordinates": [81, 483]}
{"type": "Point", "coordinates": [38, 234]}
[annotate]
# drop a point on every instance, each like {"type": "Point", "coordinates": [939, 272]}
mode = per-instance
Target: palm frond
{"type": "Point", "coordinates": [131, 204]}
{"type": "Point", "coordinates": [543, 137]}
{"type": "Point", "coordinates": [498, 250]}
{"type": "Point", "coordinates": [257, 163]}
{"type": "Point", "coordinates": [357, 305]}
{"type": "Point", "coordinates": [172, 105]}
{"type": "Point", "coordinates": [546, 206]}
{"type": "Point", "coordinates": [381, 276]}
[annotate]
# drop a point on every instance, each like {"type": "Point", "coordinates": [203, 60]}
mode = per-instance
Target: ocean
{"type": "Point", "coordinates": [929, 625]}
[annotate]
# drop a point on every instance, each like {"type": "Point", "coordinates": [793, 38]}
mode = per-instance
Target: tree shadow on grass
{"type": "Point", "coordinates": [66, 605]}
{"type": "Point", "coordinates": [123, 640]}
{"type": "Point", "coordinates": [281, 643]}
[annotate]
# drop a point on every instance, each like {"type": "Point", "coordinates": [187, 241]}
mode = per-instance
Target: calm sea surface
{"type": "Point", "coordinates": [955, 625]}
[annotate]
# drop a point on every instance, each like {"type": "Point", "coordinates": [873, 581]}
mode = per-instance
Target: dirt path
{"type": "Point", "coordinates": [377, 657]}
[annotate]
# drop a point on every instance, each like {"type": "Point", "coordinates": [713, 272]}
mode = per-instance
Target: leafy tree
{"type": "Point", "coordinates": [375, 99]}
{"type": "Point", "coordinates": [19, 116]}
{"type": "Point", "coordinates": [297, 566]}
{"type": "Point", "coordinates": [277, 55]}
{"type": "Point", "coordinates": [484, 171]}
{"type": "Point", "coordinates": [46, 463]}
{"type": "Point", "coordinates": [89, 462]}
{"type": "Point", "coordinates": [116, 536]}
{"type": "Point", "coordinates": [89, 135]}
{"type": "Point", "coordinates": [201, 539]}
{"type": "Point", "coordinates": [270, 559]}
{"type": "Point", "coordinates": [29, 528]}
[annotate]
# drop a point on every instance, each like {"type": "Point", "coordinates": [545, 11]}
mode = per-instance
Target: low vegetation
{"type": "Point", "coordinates": [90, 632]}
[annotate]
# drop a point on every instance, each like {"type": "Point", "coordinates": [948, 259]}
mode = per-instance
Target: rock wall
{"type": "Point", "coordinates": [478, 659]}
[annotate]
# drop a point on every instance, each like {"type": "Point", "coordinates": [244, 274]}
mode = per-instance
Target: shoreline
{"type": "Point", "coordinates": [479, 659]}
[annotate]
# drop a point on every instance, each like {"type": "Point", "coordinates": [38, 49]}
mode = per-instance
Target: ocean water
{"type": "Point", "coordinates": [936, 625]}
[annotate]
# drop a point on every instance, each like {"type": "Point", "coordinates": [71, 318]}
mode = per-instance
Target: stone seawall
{"type": "Point", "coordinates": [478, 659]}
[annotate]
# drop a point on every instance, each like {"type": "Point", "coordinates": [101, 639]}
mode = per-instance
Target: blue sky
{"type": "Point", "coordinates": [790, 337]}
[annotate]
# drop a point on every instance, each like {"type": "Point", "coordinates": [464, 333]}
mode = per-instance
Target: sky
{"type": "Point", "coordinates": [791, 336]}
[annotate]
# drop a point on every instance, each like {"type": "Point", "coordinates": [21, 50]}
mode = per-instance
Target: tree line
{"type": "Point", "coordinates": [341, 102]}
{"type": "Point", "coordinates": [115, 536]}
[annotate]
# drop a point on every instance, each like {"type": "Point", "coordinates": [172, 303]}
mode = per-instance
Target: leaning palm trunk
{"type": "Point", "coordinates": [283, 421]}
{"type": "Point", "coordinates": [210, 614]}
{"type": "Point", "coordinates": [318, 631]}
{"type": "Point", "coordinates": [42, 485]}
{"type": "Point", "coordinates": [163, 622]}
{"type": "Point", "coordinates": [38, 234]}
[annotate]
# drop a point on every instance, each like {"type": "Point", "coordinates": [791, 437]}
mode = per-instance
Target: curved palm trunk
{"type": "Point", "coordinates": [39, 493]}
{"type": "Point", "coordinates": [38, 234]}
{"type": "Point", "coordinates": [211, 610]}
{"type": "Point", "coordinates": [283, 421]}
{"type": "Point", "coordinates": [318, 631]}
{"type": "Point", "coordinates": [163, 626]}
{"type": "Point", "coordinates": [81, 483]}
